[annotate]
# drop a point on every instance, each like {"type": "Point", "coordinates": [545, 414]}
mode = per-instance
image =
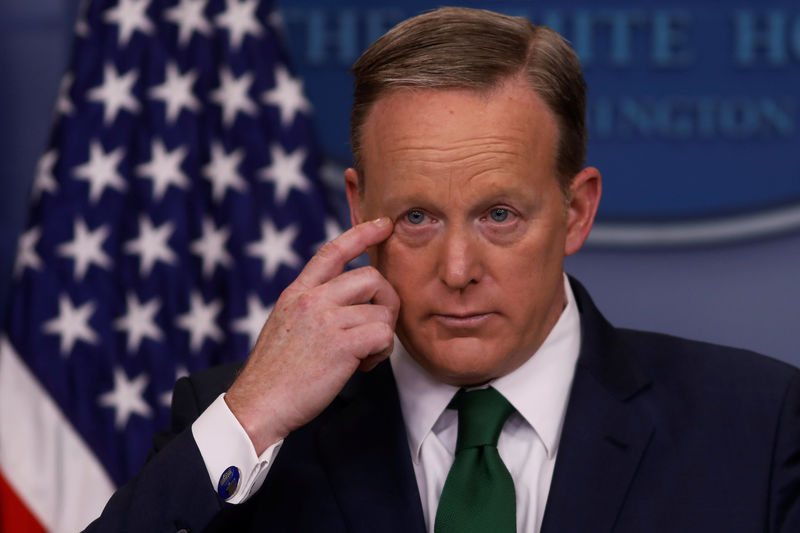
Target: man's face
{"type": "Point", "coordinates": [480, 224]}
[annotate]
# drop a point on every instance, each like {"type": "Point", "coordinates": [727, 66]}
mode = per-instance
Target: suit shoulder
{"type": "Point", "coordinates": [715, 366]}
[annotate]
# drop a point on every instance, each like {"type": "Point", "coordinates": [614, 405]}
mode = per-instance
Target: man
{"type": "Point", "coordinates": [467, 193]}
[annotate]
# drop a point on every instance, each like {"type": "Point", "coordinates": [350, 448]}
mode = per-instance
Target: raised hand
{"type": "Point", "coordinates": [324, 326]}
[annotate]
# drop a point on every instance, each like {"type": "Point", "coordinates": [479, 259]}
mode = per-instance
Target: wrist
{"type": "Point", "coordinates": [263, 428]}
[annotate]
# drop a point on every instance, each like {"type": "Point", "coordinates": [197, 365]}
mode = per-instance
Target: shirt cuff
{"type": "Point", "coordinates": [225, 446]}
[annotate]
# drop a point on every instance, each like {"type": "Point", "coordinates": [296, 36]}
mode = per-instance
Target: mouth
{"type": "Point", "coordinates": [462, 320]}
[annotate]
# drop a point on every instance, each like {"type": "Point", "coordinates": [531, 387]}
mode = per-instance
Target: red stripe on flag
{"type": "Point", "coordinates": [14, 514]}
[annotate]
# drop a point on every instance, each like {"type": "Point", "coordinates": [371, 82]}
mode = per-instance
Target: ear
{"type": "Point", "coordinates": [584, 197]}
{"type": "Point", "coordinates": [354, 194]}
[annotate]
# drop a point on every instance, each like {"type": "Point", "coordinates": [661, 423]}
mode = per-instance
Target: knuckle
{"type": "Point", "coordinates": [367, 274]}
{"type": "Point", "coordinates": [328, 317]}
{"type": "Point", "coordinates": [285, 298]}
{"type": "Point", "coordinates": [331, 251]}
{"type": "Point", "coordinates": [307, 301]}
{"type": "Point", "coordinates": [371, 271]}
{"type": "Point", "coordinates": [385, 332]}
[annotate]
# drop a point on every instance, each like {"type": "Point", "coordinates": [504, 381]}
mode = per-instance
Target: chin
{"type": "Point", "coordinates": [463, 361]}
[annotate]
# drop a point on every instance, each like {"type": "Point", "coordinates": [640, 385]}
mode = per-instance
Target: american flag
{"type": "Point", "coordinates": [179, 193]}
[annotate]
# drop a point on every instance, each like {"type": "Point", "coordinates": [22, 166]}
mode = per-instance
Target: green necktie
{"type": "Point", "coordinates": [478, 494]}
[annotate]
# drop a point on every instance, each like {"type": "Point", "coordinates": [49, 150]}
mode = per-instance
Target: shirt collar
{"type": "Point", "coordinates": [538, 389]}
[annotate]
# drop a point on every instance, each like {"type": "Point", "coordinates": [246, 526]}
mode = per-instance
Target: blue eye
{"type": "Point", "coordinates": [415, 216]}
{"type": "Point", "coordinates": [499, 214]}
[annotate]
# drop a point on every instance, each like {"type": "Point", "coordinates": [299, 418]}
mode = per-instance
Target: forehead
{"type": "Point", "coordinates": [412, 133]}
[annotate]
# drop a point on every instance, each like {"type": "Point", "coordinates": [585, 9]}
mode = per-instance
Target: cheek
{"type": "Point", "coordinates": [504, 235]}
{"type": "Point", "coordinates": [389, 259]}
{"type": "Point", "coordinates": [414, 236]}
{"type": "Point", "coordinates": [408, 269]}
{"type": "Point", "coordinates": [525, 272]}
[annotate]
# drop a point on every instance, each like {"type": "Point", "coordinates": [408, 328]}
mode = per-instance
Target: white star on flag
{"type": "Point", "coordinates": [71, 324]}
{"type": "Point", "coordinates": [287, 95]}
{"type": "Point", "coordinates": [240, 20]}
{"type": "Point", "coordinates": [176, 92]}
{"type": "Point", "coordinates": [165, 398]}
{"type": "Point", "coordinates": [44, 180]}
{"type": "Point", "coordinates": [286, 172]}
{"type": "Point", "coordinates": [189, 17]}
{"type": "Point", "coordinates": [164, 168]}
{"type": "Point", "coordinates": [126, 397]}
{"type": "Point", "coordinates": [63, 102]}
{"type": "Point", "coordinates": [151, 245]}
{"type": "Point", "coordinates": [26, 251]}
{"type": "Point", "coordinates": [101, 171]}
{"type": "Point", "coordinates": [275, 248]}
{"type": "Point", "coordinates": [86, 248]}
{"type": "Point", "coordinates": [252, 322]}
{"type": "Point", "coordinates": [232, 96]}
{"type": "Point", "coordinates": [201, 321]}
{"type": "Point", "coordinates": [180, 172]}
{"type": "Point", "coordinates": [139, 321]}
{"type": "Point", "coordinates": [211, 247]}
{"type": "Point", "coordinates": [129, 16]}
{"type": "Point", "coordinates": [222, 171]}
{"type": "Point", "coordinates": [115, 93]}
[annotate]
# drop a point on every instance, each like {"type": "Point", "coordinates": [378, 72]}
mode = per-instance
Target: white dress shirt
{"type": "Point", "coordinates": [528, 444]}
{"type": "Point", "coordinates": [223, 442]}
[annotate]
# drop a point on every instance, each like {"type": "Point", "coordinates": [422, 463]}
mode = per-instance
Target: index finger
{"type": "Point", "coordinates": [331, 259]}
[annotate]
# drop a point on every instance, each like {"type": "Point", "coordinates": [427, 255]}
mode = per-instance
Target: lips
{"type": "Point", "coordinates": [463, 319]}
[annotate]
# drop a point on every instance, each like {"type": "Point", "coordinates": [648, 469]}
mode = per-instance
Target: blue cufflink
{"type": "Point", "coordinates": [228, 482]}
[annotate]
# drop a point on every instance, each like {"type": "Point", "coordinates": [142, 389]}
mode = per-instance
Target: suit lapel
{"type": "Point", "coordinates": [363, 446]}
{"type": "Point", "coordinates": [364, 451]}
{"type": "Point", "coordinates": [606, 431]}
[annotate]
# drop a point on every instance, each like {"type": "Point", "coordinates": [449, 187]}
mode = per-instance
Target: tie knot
{"type": "Point", "coordinates": [481, 416]}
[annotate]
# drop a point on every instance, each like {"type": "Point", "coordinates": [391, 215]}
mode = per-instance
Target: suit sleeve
{"type": "Point", "coordinates": [172, 491]}
{"type": "Point", "coordinates": [785, 494]}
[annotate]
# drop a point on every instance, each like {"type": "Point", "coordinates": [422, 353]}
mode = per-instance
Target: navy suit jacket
{"type": "Point", "coordinates": [661, 435]}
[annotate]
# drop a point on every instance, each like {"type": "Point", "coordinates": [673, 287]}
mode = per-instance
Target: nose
{"type": "Point", "coordinates": [460, 262]}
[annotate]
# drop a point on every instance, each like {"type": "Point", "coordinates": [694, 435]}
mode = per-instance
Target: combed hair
{"type": "Point", "coordinates": [462, 48]}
